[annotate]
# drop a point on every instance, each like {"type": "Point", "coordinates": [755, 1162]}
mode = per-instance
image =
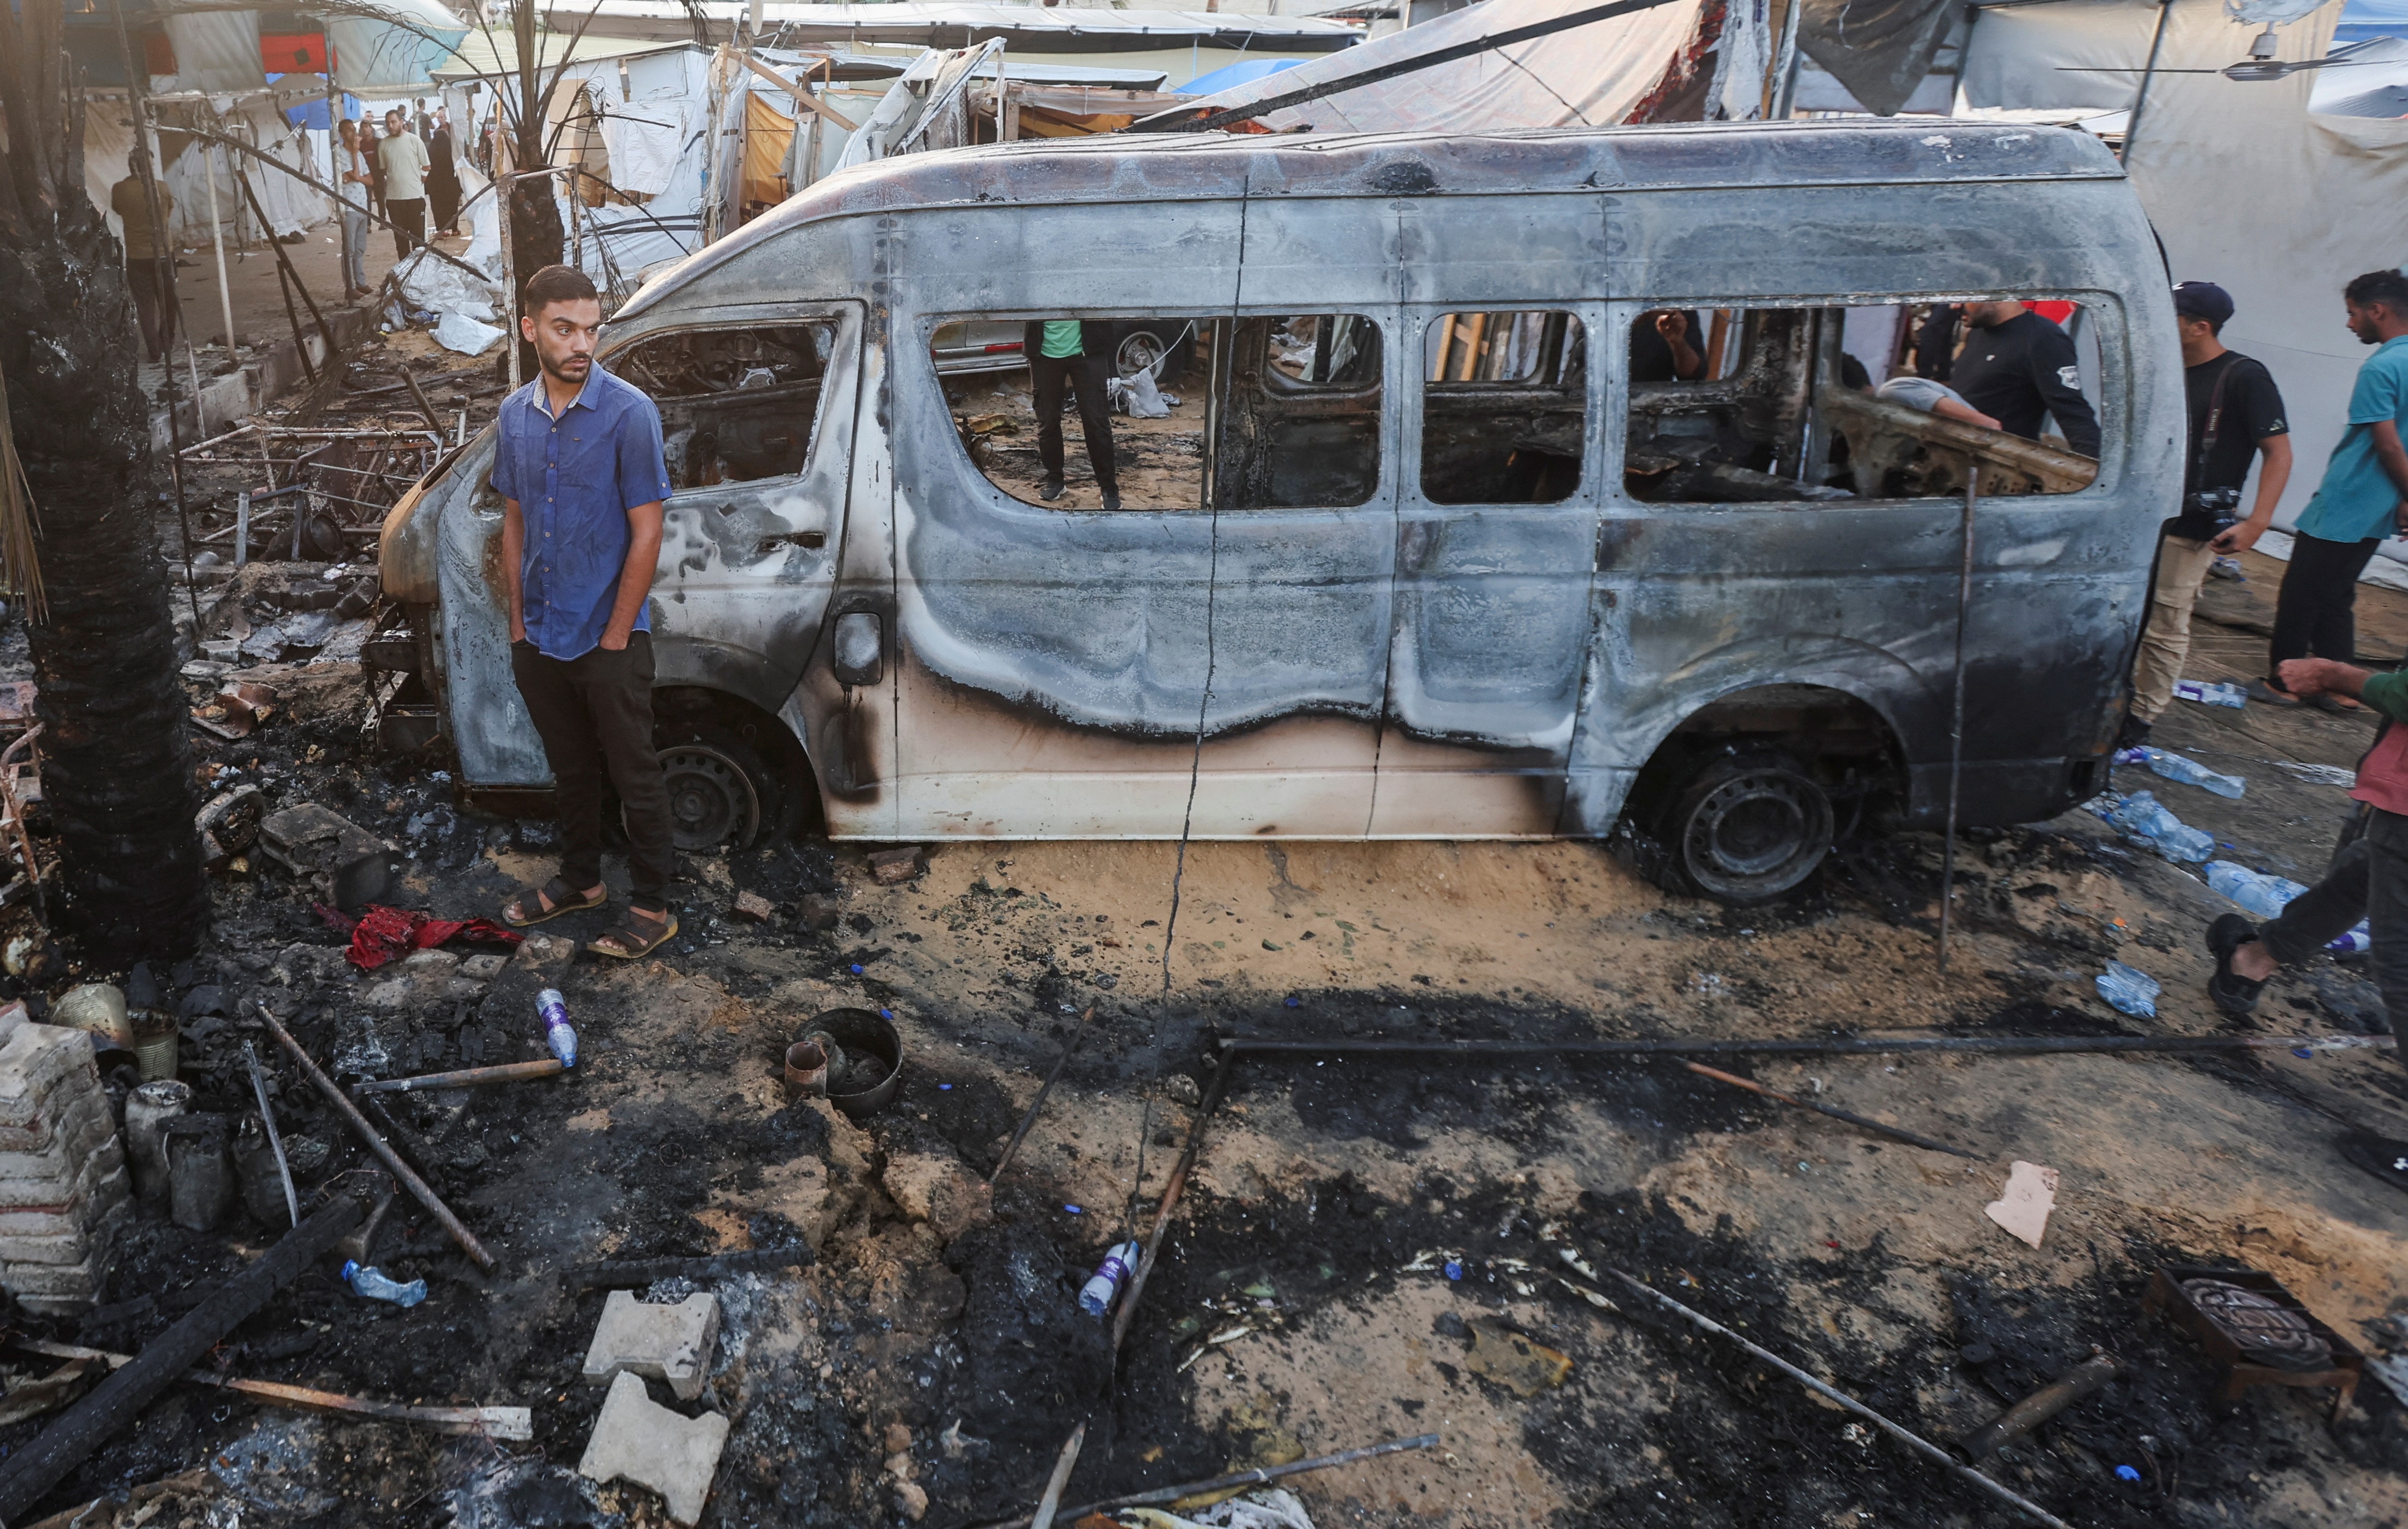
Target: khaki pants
{"type": "Point", "coordinates": [2165, 643]}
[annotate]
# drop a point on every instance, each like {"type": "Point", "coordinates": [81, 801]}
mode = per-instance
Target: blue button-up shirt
{"type": "Point", "coordinates": [574, 478]}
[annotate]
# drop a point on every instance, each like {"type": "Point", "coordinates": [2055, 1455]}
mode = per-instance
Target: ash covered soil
{"type": "Point", "coordinates": [1361, 1240]}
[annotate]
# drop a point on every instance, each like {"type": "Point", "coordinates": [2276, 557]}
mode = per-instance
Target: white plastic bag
{"type": "Point", "coordinates": [458, 332]}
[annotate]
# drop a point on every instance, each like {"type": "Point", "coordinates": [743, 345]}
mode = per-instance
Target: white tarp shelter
{"type": "Point", "coordinates": [2247, 184]}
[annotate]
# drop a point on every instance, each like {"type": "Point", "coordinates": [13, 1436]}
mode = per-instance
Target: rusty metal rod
{"type": "Point", "coordinates": [1262, 1476]}
{"type": "Point", "coordinates": [1012, 1147]}
{"type": "Point", "coordinates": [466, 1078]}
{"type": "Point", "coordinates": [385, 1154]}
{"type": "Point", "coordinates": [1170, 1193]}
{"type": "Point", "coordinates": [1913, 1441]}
{"type": "Point", "coordinates": [2041, 1406]}
{"type": "Point", "coordinates": [1836, 1046]}
{"type": "Point", "coordinates": [514, 1423]}
{"type": "Point", "coordinates": [1777, 1096]}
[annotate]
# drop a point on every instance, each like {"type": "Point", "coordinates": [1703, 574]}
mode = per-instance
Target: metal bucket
{"type": "Point", "coordinates": [869, 1043]}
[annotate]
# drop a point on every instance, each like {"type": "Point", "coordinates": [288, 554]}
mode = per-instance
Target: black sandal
{"type": "Point", "coordinates": [636, 938]}
{"type": "Point", "coordinates": [2233, 993]}
{"type": "Point", "coordinates": [553, 898]}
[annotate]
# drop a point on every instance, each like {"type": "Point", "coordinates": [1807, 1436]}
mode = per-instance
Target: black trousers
{"type": "Point", "coordinates": [1085, 376]}
{"type": "Point", "coordinates": [152, 308]}
{"type": "Point", "coordinates": [2368, 880]}
{"type": "Point", "coordinates": [447, 204]}
{"type": "Point", "coordinates": [2316, 614]}
{"type": "Point", "coordinates": [409, 230]}
{"type": "Point", "coordinates": [594, 716]}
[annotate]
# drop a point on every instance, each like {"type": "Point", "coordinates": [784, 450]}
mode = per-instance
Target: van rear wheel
{"type": "Point", "coordinates": [1749, 828]}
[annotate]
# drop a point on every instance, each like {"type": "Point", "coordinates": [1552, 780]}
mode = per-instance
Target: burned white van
{"type": "Point", "coordinates": [1518, 485]}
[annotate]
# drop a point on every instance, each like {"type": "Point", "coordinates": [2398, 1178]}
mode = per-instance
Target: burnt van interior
{"type": "Point", "coordinates": [736, 404]}
{"type": "Point", "coordinates": [1504, 408]}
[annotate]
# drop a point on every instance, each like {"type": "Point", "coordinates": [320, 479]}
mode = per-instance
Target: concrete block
{"type": "Point", "coordinates": [74, 1178]}
{"type": "Point", "coordinates": [65, 1217]}
{"type": "Point", "coordinates": [484, 967]}
{"type": "Point", "coordinates": [636, 1439]}
{"type": "Point", "coordinates": [938, 1189]}
{"type": "Point", "coordinates": [97, 1242]}
{"type": "Point", "coordinates": [38, 1060]}
{"type": "Point", "coordinates": [65, 1116]}
{"type": "Point", "coordinates": [671, 1343]}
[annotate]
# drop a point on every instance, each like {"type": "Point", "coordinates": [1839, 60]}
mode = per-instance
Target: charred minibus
{"type": "Point", "coordinates": [1442, 534]}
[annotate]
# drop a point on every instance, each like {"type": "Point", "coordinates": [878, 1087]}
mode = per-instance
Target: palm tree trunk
{"type": "Point", "coordinates": [118, 764]}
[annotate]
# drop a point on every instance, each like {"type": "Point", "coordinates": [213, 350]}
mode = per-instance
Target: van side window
{"type": "Point", "coordinates": [1301, 429]}
{"type": "Point", "coordinates": [1504, 408]}
{"type": "Point", "coordinates": [1734, 405]}
{"type": "Point", "coordinates": [736, 404]}
{"type": "Point", "coordinates": [1154, 374]}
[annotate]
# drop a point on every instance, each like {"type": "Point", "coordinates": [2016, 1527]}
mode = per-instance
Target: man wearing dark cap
{"type": "Point", "coordinates": [2236, 414]}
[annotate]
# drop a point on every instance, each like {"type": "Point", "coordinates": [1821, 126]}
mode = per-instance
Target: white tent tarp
{"type": "Point", "coordinates": [2247, 186]}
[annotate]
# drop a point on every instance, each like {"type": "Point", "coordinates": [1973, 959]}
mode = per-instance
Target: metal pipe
{"type": "Point", "coordinates": [1053, 1077]}
{"type": "Point", "coordinates": [1776, 1095]}
{"type": "Point", "coordinates": [1912, 1441]}
{"type": "Point", "coordinates": [275, 1140]}
{"type": "Point", "coordinates": [1170, 1193]}
{"type": "Point", "coordinates": [466, 1077]}
{"type": "Point", "coordinates": [2041, 1406]}
{"type": "Point", "coordinates": [2148, 73]}
{"type": "Point", "coordinates": [376, 1143]}
{"type": "Point", "coordinates": [1956, 709]}
{"type": "Point", "coordinates": [1261, 1475]}
{"type": "Point", "coordinates": [1838, 1046]}
{"type": "Point", "coordinates": [217, 240]}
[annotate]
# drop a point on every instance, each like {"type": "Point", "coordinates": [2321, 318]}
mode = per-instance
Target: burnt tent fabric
{"type": "Point", "coordinates": [1880, 50]}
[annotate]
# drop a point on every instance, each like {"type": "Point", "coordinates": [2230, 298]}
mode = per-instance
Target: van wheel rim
{"type": "Point", "coordinates": [1757, 834]}
{"type": "Point", "coordinates": [712, 800]}
{"type": "Point", "coordinates": [1137, 354]}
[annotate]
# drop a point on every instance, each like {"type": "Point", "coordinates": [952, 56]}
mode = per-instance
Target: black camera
{"type": "Point", "coordinates": [2220, 505]}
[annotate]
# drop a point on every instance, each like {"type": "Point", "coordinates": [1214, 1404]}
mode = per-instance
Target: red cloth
{"type": "Point", "coordinates": [2382, 774]}
{"type": "Point", "coordinates": [384, 934]}
{"type": "Point", "coordinates": [2054, 309]}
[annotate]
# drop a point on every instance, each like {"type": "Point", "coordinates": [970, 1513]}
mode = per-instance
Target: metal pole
{"type": "Point", "coordinates": [1957, 706]}
{"type": "Point", "coordinates": [2148, 72]}
{"type": "Point", "coordinates": [217, 239]}
{"type": "Point", "coordinates": [505, 196]}
{"type": "Point", "coordinates": [334, 155]}
{"type": "Point", "coordinates": [1783, 94]}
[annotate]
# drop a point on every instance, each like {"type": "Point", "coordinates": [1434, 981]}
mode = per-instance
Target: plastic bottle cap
{"type": "Point", "coordinates": [351, 1267]}
{"type": "Point", "coordinates": [1074, 1210]}
{"type": "Point", "coordinates": [2125, 1473]}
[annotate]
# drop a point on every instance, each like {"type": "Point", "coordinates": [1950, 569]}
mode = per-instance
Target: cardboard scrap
{"type": "Point", "coordinates": [1521, 1367]}
{"type": "Point", "coordinates": [2023, 1207]}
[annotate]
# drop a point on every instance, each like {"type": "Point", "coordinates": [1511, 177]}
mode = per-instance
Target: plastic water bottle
{"type": "Point", "coordinates": [1100, 1291]}
{"type": "Point", "coordinates": [2224, 694]}
{"type": "Point", "coordinates": [2173, 766]}
{"type": "Point", "coordinates": [2357, 942]}
{"type": "Point", "coordinates": [2255, 891]}
{"type": "Point", "coordinates": [557, 1031]}
{"type": "Point", "coordinates": [374, 1286]}
{"type": "Point", "coordinates": [2129, 989]}
{"type": "Point", "coordinates": [2148, 822]}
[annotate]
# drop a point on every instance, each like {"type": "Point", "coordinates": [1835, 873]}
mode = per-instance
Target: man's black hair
{"type": "Point", "coordinates": [557, 284]}
{"type": "Point", "coordinates": [2389, 288]}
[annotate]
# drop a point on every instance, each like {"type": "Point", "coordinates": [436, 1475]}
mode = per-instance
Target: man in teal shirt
{"type": "Point", "coordinates": [2361, 500]}
{"type": "Point", "coordinates": [1075, 354]}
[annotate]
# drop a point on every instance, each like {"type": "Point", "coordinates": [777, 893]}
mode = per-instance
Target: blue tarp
{"type": "Point", "coordinates": [312, 114]}
{"type": "Point", "coordinates": [2364, 19]}
{"type": "Point", "coordinates": [1244, 72]}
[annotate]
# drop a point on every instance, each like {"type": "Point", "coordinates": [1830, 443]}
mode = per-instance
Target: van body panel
{"type": "Point", "coordinates": [1398, 668]}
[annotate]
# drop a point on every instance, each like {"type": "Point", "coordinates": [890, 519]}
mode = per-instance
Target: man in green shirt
{"type": "Point", "coordinates": [1074, 353]}
{"type": "Point", "coordinates": [405, 162]}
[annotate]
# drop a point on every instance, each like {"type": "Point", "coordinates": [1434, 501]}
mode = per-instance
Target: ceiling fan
{"type": "Point", "coordinates": [2260, 63]}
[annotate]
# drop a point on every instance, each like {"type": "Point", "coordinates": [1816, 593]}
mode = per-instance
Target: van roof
{"type": "Point", "coordinates": [1188, 166]}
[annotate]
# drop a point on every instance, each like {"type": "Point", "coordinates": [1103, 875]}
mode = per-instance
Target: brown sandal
{"type": "Point", "coordinates": [634, 941]}
{"type": "Point", "coordinates": [554, 898]}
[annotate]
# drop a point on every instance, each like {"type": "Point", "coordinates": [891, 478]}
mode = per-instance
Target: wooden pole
{"type": "Point", "coordinates": [217, 239]}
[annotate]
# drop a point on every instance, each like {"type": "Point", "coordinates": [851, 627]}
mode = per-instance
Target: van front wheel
{"type": "Point", "coordinates": [719, 795]}
{"type": "Point", "coordinates": [1749, 828]}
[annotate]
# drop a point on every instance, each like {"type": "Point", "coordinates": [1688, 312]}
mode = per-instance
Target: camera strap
{"type": "Point", "coordinates": [2215, 420]}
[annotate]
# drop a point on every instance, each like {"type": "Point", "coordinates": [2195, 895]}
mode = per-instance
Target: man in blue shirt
{"type": "Point", "coordinates": [582, 478]}
{"type": "Point", "coordinates": [2362, 499]}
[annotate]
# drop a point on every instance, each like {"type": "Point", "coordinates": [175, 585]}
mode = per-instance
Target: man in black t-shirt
{"type": "Point", "coordinates": [2236, 414]}
{"type": "Point", "coordinates": [2020, 369]}
{"type": "Point", "coordinates": [1667, 345]}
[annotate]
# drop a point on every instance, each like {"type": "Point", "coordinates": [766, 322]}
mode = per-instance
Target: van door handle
{"type": "Point", "coordinates": [812, 541]}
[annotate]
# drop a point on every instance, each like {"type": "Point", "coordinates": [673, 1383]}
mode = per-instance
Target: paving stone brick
{"type": "Point", "coordinates": [37, 1059]}
{"type": "Point", "coordinates": [637, 1439]}
{"type": "Point", "coordinates": [64, 1133]}
{"type": "Point", "coordinates": [67, 1216]}
{"type": "Point", "coordinates": [671, 1343]}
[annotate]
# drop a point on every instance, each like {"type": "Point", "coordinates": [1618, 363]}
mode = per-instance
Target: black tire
{"type": "Point", "coordinates": [1751, 828]}
{"type": "Point", "coordinates": [1140, 344]}
{"type": "Point", "coordinates": [722, 797]}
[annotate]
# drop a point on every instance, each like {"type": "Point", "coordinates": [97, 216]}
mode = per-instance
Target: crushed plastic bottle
{"type": "Point", "coordinates": [1100, 1291]}
{"type": "Point", "coordinates": [2129, 989]}
{"type": "Point", "coordinates": [2263, 895]}
{"type": "Point", "coordinates": [2147, 822]}
{"type": "Point", "coordinates": [2223, 694]}
{"type": "Point", "coordinates": [557, 1032]}
{"type": "Point", "coordinates": [2173, 766]}
{"type": "Point", "coordinates": [373, 1285]}
{"type": "Point", "coordinates": [2357, 942]}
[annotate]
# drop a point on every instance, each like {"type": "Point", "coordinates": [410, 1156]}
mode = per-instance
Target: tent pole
{"type": "Point", "coordinates": [217, 237]}
{"type": "Point", "coordinates": [2148, 72]}
{"type": "Point", "coordinates": [334, 155]}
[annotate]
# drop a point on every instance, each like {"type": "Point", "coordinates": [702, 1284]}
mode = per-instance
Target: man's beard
{"type": "Point", "coordinates": [559, 369]}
